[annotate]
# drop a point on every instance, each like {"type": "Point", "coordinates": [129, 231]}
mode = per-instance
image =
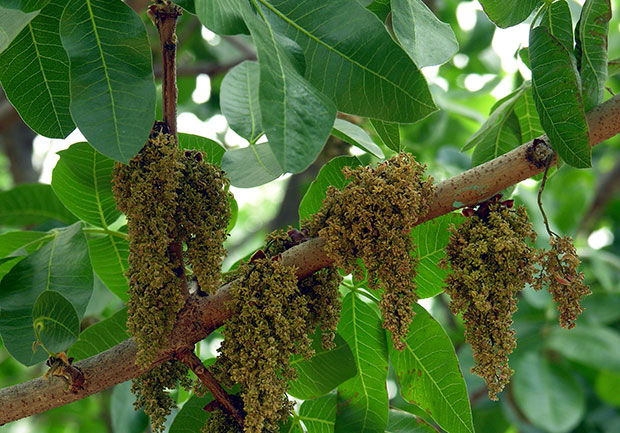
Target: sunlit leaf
{"type": "Point", "coordinates": [525, 110]}
{"type": "Point", "coordinates": [557, 19]}
{"type": "Point", "coordinates": [34, 72]}
{"type": "Point", "coordinates": [22, 242]}
{"type": "Point", "coordinates": [557, 94]}
{"type": "Point", "coordinates": [82, 180]}
{"type": "Point", "coordinates": [404, 422]}
{"type": "Point", "coordinates": [25, 5]}
{"type": "Point", "coordinates": [369, 82]}
{"type": "Point", "coordinates": [362, 400]}
{"type": "Point", "coordinates": [426, 39]}
{"type": "Point", "coordinates": [112, 87]}
{"type": "Point", "coordinates": [192, 415]}
{"type": "Point", "coordinates": [429, 374]}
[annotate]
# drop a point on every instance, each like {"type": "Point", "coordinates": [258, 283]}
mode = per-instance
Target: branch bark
{"type": "Point", "coordinates": [202, 315]}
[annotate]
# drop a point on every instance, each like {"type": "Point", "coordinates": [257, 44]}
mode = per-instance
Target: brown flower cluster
{"type": "Point", "coordinates": [491, 261]}
{"type": "Point", "coordinates": [563, 280]}
{"type": "Point", "coordinates": [272, 320]}
{"type": "Point", "coordinates": [371, 219]}
{"type": "Point", "coordinates": [150, 395]}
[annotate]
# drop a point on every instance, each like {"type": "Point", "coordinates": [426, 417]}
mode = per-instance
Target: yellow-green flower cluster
{"type": "Point", "coordinates": [170, 198]}
{"type": "Point", "coordinates": [491, 261]}
{"type": "Point", "coordinates": [150, 395]}
{"type": "Point", "coordinates": [371, 219]}
{"type": "Point", "coordinates": [564, 282]}
{"type": "Point", "coordinates": [219, 422]}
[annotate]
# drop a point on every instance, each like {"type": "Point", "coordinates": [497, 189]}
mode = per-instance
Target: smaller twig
{"type": "Point", "coordinates": [165, 14]}
{"type": "Point", "coordinates": [540, 191]}
{"type": "Point", "coordinates": [189, 358]}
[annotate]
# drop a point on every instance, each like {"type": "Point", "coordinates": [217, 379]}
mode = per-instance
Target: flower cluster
{"type": "Point", "coordinates": [150, 395]}
{"type": "Point", "coordinates": [371, 219]}
{"type": "Point", "coordinates": [491, 260]}
{"type": "Point", "coordinates": [559, 273]}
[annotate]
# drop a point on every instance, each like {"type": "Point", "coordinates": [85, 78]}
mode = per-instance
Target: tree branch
{"type": "Point", "coordinates": [202, 315]}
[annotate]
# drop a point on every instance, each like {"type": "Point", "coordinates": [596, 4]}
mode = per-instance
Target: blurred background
{"type": "Point", "coordinates": [561, 384]}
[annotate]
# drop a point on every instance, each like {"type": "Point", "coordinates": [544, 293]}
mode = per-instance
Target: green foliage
{"type": "Point", "coordinates": [87, 63]}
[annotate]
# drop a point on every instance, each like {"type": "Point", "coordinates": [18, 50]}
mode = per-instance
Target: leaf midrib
{"type": "Point", "coordinates": [320, 42]}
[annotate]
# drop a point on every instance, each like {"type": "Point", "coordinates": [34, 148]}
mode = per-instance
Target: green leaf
{"type": "Point", "coordinates": [25, 5]}
{"type": "Point", "coordinates": [381, 8]}
{"type": "Point", "coordinates": [31, 204]}
{"type": "Point", "coordinates": [591, 38]}
{"type": "Point", "coordinates": [607, 385]}
{"type": "Point", "coordinates": [525, 110]}
{"type": "Point", "coordinates": [239, 100]}
{"type": "Point", "coordinates": [491, 130]}
{"type": "Point", "coordinates": [502, 138]}
{"type": "Point", "coordinates": [220, 16]}
{"type": "Point", "coordinates": [507, 13]}
{"type": "Point", "coordinates": [55, 321]}
{"type": "Point", "coordinates": [34, 72]}
{"type": "Point", "coordinates": [325, 371]}
{"type": "Point", "coordinates": [367, 82]}
{"type": "Point", "coordinates": [22, 243]}
{"type": "Point", "coordinates": [404, 422]}
{"type": "Point", "coordinates": [296, 117]}
{"type": "Point", "coordinates": [12, 21]}
{"type": "Point", "coordinates": [319, 415]}
{"type": "Point", "coordinates": [210, 149]}
{"type": "Point", "coordinates": [557, 94]}
{"type": "Point", "coordinates": [429, 375]}
{"type": "Point", "coordinates": [426, 39]}
{"type": "Point", "coordinates": [363, 400]}
{"type": "Point", "coordinates": [557, 19]}
{"type": "Point", "coordinates": [356, 136]}
{"type": "Point", "coordinates": [431, 239]}
{"type": "Point", "coordinates": [330, 174]}
{"type": "Point", "coordinates": [101, 336]}
{"type": "Point", "coordinates": [251, 166]}
{"type": "Point", "coordinates": [112, 87]}
{"type": "Point", "coordinates": [291, 426]}
{"type": "Point", "coordinates": [109, 255]}
{"type": "Point", "coordinates": [188, 5]}
{"type": "Point", "coordinates": [389, 133]}
{"type": "Point", "coordinates": [63, 266]}
{"type": "Point", "coordinates": [82, 180]}
{"type": "Point", "coordinates": [547, 394]}
{"type": "Point", "coordinates": [192, 416]}
{"type": "Point", "coordinates": [596, 346]}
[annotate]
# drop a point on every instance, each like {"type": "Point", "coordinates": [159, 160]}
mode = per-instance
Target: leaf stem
{"type": "Point", "coordinates": [105, 232]}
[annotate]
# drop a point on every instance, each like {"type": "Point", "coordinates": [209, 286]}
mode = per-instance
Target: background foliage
{"type": "Point", "coordinates": [565, 381]}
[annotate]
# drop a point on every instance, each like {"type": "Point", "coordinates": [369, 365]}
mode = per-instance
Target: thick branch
{"type": "Point", "coordinates": [203, 315]}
